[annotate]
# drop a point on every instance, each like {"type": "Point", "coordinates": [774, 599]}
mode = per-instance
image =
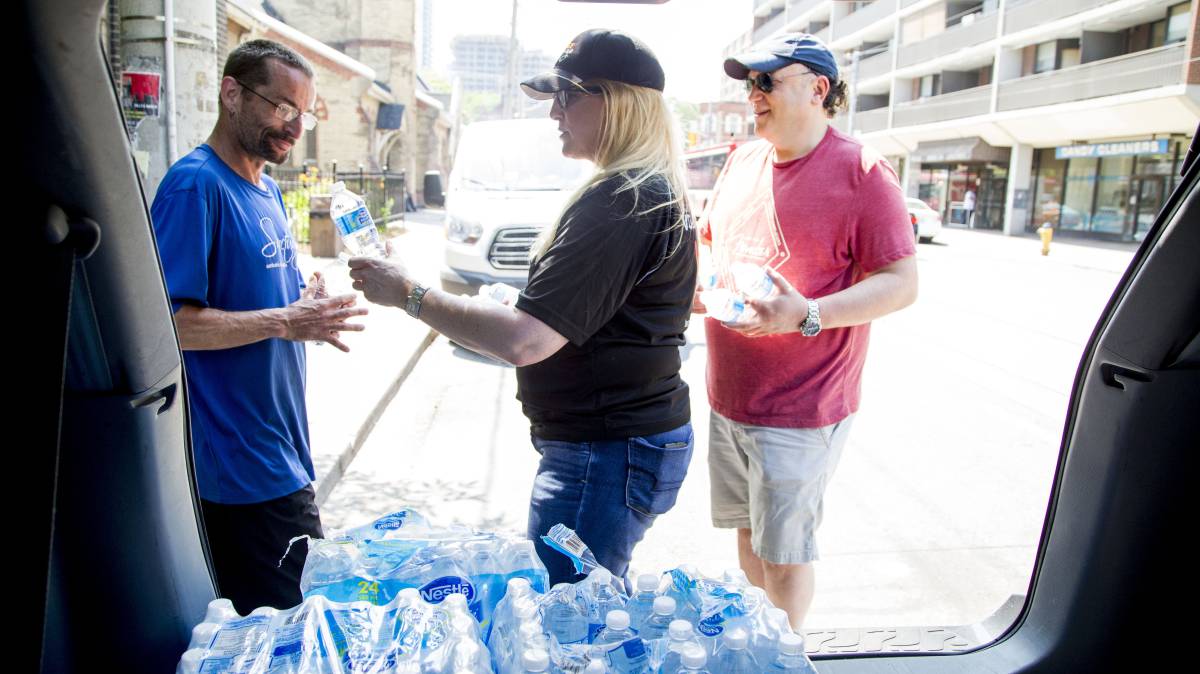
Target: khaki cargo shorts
{"type": "Point", "coordinates": [772, 482]}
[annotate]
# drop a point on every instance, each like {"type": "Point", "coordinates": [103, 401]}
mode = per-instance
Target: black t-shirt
{"type": "Point", "coordinates": [619, 287]}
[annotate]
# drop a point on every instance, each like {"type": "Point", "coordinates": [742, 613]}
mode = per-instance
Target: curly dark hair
{"type": "Point", "coordinates": [835, 100]}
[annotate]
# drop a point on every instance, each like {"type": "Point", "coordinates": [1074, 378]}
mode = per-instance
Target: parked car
{"type": "Point", "coordinates": [509, 182]}
{"type": "Point", "coordinates": [110, 563]}
{"type": "Point", "coordinates": [926, 222]}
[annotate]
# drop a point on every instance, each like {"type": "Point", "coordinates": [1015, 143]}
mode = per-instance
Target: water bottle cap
{"type": "Point", "coordinates": [664, 605]}
{"type": "Point", "coordinates": [265, 610]}
{"type": "Point", "coordinates": [617, 620]}
{"type": "Point", "coordinates": [602, 576]}
{"type": "Point", "coordinates": [736, 639]}
{"type": "Point", "coordinates": [219, 610]}
{"type": "Point", "coordinates": [519, 585]}
{"type": "Point", "coordinates": [410, 595]}
{"type": "Point", "coordinates": [596, 666]}
{"type": "Point", "coordinates": [693, 656]}
{"type": "Point", "coordinates": [339, 186]}
{"type": "Point", "coordinates": [455, 602]}
{"type": "Point", "coordinates": [647, 582]}
{"type": "Point", "coordinates": [791, 644]}
{"type": "Point", "coordinates": [680, 629]}
{"type": "Point", "coordinates": [191, 659]}
{"type": "Point", "coordinates": [535, 660]}
{"type": "Point", "coordinates": [736, 574]}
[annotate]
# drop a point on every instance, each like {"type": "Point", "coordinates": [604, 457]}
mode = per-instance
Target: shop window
{"type": "Point", "coordinates": [1179, 21]}
{"type": "Point", "coordinates": [1048, 189]}
{"type": "Point", "coordinates": [1081, 188]}
{"type": "Point", "coordinates": [1112, 195]}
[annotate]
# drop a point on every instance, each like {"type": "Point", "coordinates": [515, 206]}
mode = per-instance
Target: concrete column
{"type": "Point", "coordinates": [196, 75]}
{"type": "Point", "coordinates": [1018, 200]}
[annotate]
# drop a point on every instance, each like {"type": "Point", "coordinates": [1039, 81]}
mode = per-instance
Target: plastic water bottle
{"type": "Point", "coordinates": [521, 561]}
{"type": "Point", "coordinates": [694, 660]}
{"type": "Point", "coordinates": [354, 223]}
{"type": "Point", "coordinates": [660, 620]}
{"type": "Point", "coordinates": [751, 280]}
{"type": "Point", "coordinates": [488, 574]}
{"type": "Point", "coordinates": [680, 635]}
{"type": "Point", "coordinates": [535, 660]}
{"type": "Point", "coordinates": [791, 657]}
{"type": "Point", "coordinates": [603, 600]}
{"type": "Point", "coordinates": [566, 614]}
{"type": "Point", "coordinates": [642, 602]}
{"type": "Point", "coordinates": [723, 304]}
{"type": "Point", "coordinates": [616, 628]}
{"type": "Point", "coordinates": [630, 656]}
{"type": "Point", "coordinates": [735, 658]}
{"type": "Point", "coordinates": [500, 292]}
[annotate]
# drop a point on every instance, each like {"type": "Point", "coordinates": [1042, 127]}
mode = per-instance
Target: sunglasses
{"type": "Point", "coordinates": [766, 81]}
{"type": "Point", "coordinates": [565, 97]}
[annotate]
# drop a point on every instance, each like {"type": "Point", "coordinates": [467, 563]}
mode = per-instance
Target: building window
{"type": "Point", "coordinates": [928, 86]}
{"type": "Point", "coordinates": [1044, 60]}
{"type": "Point", "coordinates": [1179, 20]}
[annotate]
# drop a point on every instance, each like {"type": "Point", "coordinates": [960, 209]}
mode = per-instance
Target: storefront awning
{"type": "Point", "coordinates": [973, 149]}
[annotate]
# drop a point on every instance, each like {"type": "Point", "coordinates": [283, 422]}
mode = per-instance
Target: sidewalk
{"type": "Point", "coordinates": [348, 392]}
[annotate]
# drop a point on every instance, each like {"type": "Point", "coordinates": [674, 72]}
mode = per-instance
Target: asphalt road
{"type": "Point", "coordinates": [934, 515]}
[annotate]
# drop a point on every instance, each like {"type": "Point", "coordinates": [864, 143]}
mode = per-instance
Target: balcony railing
{"type": "Point", "coordinates": [874, 66]}
{"type": "Point", "coordinates": [871, 120]}
{"type": "Point", "coordinates": [865, 16]}
{"type": "Point", "coordinates": [1023, 14]}
{"type": "Point", "coordinates": [956, 37]}
{"type": "Point", "coordinates": [1149, 69]}
{"type": "Point", "coordinates": [966, 103]}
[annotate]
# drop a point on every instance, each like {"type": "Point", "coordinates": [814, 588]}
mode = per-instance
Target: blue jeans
{"type": "Point", "coordinates": [608, 491]}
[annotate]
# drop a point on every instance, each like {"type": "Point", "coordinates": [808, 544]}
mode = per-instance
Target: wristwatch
{"type": "Point", "coordinates": [812, 323]}
{"type": "Point", "coordinates": [413, 305]}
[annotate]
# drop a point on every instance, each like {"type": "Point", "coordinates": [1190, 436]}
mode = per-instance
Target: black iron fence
{"type": "Point", "coordinates": [383, 191]}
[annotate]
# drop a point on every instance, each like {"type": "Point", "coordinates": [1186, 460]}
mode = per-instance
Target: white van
{"type": "Point", "coordinates": [509, 181]}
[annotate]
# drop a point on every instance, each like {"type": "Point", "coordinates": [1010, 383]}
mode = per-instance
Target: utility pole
{"type": "Point", "coordinates": [510, 81]}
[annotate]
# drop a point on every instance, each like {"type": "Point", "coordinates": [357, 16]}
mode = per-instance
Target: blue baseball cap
{"type": "Point", "coordinates": [785, 50]}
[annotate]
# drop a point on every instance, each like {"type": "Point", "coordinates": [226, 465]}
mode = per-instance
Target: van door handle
{"type": "Point", "coordinates": [165, 394]}
{"type": "Point", "coordinates": [1112, 375]}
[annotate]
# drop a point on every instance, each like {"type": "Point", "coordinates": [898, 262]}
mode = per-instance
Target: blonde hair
{"type": "Point", "coordinates": [638, 141]}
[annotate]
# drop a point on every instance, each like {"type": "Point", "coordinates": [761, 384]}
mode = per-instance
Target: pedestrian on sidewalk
{"type": "Point", "coordinates": [595, 335]}
{"type": "Point", "coordinates": [243, 314]}
{"type": "Point", "coordinates": [825, 216]}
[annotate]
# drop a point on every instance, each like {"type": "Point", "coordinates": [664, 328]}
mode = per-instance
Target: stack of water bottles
{"type": "Point", "coordinates": [402, 550]}
{"type": "Point", "coordinates": [674, 622]}
{"type": "Point", "coordinates": [320, 636]}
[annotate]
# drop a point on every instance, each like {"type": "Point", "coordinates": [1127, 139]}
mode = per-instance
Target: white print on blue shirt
{"type": "Point", "coordinates": [283, 248]}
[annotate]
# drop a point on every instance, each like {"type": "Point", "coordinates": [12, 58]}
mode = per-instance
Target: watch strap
{"type": "Point", "coordinates": [412, 306]}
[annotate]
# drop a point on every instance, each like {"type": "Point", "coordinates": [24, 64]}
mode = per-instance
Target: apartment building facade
{"type": "Point", "coordinates": [1074, 113]}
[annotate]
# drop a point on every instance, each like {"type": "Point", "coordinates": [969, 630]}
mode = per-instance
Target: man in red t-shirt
{"type": "Point", "coordinates": [825, 216]}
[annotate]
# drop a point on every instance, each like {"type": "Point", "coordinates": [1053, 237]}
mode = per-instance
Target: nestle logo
{"type": "Point", "coordinates": [390, 522]}
{"type": "Point", "coordinates": [711, 626]}
{"type": "Point", "coordinates": [438, 589]}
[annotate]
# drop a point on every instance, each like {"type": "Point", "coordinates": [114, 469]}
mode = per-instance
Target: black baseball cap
{"type": "Point", "coordinates": [785, 50]}
{"type": "Point", "coordinates": [599, 54]}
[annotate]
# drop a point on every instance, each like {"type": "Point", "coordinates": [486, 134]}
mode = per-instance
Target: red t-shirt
{"type": "Point", "coordinates": [824, 221]}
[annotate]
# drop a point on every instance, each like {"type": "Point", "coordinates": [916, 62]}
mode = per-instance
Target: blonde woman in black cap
{"type": "Point", "coordinates": [596, 333]}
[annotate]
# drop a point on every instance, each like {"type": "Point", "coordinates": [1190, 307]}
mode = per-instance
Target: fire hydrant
{"type": "Point", "coordinates": [1047, 233]}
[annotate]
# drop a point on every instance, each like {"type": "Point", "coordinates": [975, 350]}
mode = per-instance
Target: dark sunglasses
{"type": "Point", "coordinates": [566, 97]}
{"type": "Point", "coordinates": [766, 81]}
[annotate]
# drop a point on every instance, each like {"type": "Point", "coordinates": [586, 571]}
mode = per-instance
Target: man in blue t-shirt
{"type": "Point", "coordinates": [243, 314]}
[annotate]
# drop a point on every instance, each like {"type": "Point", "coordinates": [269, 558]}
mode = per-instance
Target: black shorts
{"type": "Point", "coordinates": [248, 540]}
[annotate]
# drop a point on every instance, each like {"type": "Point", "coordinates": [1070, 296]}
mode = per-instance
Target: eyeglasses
{"type": "Point", "coordinates": [766, 81]}
{"type": "Point", "coordinates": [284, 111]}
{"type": "Point", "coordinates": [565, 97]}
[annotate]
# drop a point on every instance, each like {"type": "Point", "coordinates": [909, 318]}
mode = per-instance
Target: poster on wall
{"type": "Point", "coordinates": [140, 93]}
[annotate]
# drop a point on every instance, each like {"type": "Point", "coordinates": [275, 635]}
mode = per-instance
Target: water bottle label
{"type": "Point", "coordinates": [391, 522]}
{"type": "Point", "coordinates": [629, 655]}
{"type": "Point", "coordinates": [438, 589]}
{"type": "Point", "coordinates": [711, 626]}
{"type": "Point", "coordinates": [353, 221]}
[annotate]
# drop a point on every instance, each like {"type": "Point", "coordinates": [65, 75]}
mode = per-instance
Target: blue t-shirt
{"type": "Point", "coordinates": [225, 244]}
